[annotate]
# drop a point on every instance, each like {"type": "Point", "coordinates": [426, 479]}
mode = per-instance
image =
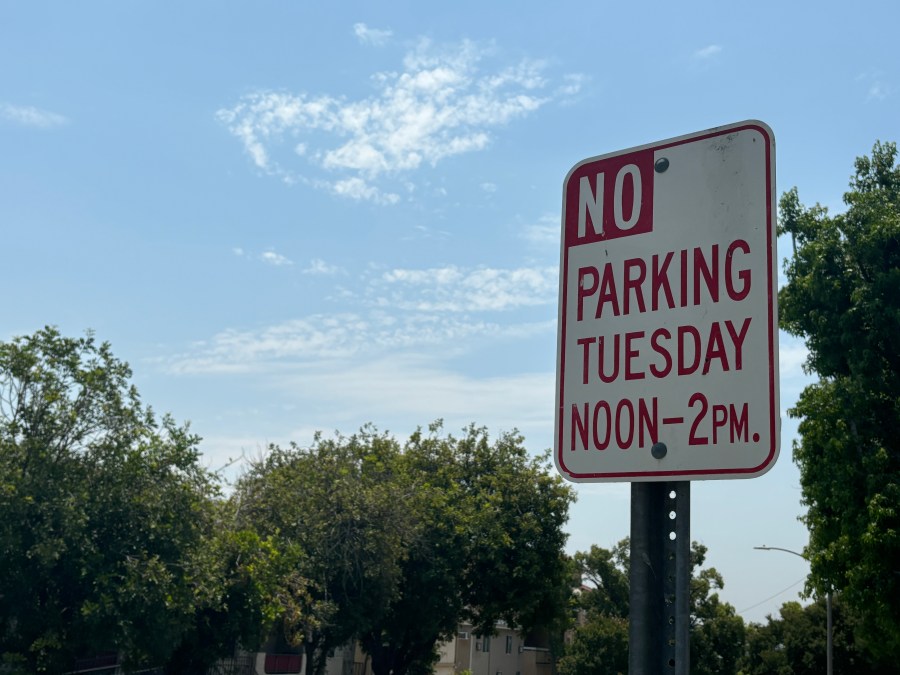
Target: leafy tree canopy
{"type": "Point", "coordinates": [599, 644]}
{"type": "Point", "coordinates": [487, 545]}
{"type": "Point", "coordinates": [795, 643]}
{"type": "Point", "coordinates": [339, 511]}
{"type": "Point", "coordinates": [842, 297]}
{"type": "Point", "coordinates": [102, 510]}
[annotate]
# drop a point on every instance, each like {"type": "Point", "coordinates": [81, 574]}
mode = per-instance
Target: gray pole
{"type": "Point", "coordinates": [829, 641]}
{"type": "Point", "coordinates": [682, 546]}
{"type": "Point", "coordinates": [659, 577]}
{"type": "Point", "coordinates": [645, 579]}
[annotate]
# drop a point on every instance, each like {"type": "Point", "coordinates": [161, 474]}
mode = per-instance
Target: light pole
{"type": "Point", "coordinates": [829, 628]}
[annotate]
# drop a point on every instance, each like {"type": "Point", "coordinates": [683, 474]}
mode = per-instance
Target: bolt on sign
{"type": "Point", "coordinates": [667, 356]}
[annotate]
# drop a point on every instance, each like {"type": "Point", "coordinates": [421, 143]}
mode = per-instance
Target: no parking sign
{"type": "Point", "coordinates": [667, 357]}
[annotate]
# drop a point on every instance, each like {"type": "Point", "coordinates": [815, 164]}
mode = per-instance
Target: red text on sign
{"type": "Point", "coordinates": [666, 281]}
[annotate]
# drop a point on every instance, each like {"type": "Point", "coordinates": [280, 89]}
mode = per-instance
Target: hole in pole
{"type": "Point", "coordinates": [672, 494]}
{"type": "Point", "coordinates": [672, 536]}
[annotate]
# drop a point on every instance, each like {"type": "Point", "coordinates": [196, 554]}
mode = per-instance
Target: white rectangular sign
{"type": "Point", "coordinates": [667, 357]}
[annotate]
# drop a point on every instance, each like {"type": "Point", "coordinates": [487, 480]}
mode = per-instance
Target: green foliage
{"type": "Point", "coordinates": [102, 510]}
{"type": "Point", "coordinates": [114, 538]}
{"type": "Point", "coordinates": [795, 643]}
{"type": "Point", "coordinates": [599, 647]}
{"type": "Point", "coordinates": [487, 545]}
{"type": "Point", "coordinates": [599, 643]}
{"type": "Point", "coordinates": [842, 297]}
{"type": "Point", "coordinates": [606, 573]}
{"type": "Point", "coordinates": [237, 597]}
{"type": "Point", "coordinates": [716, 633]}
{"type": "Point", "coordinates": [339, 512]}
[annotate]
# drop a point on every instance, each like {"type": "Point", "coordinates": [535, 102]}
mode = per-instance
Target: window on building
{"type": "Point", "coordinates": [486, 643]}
{"type": "Point", "coordinates": [509, 642]}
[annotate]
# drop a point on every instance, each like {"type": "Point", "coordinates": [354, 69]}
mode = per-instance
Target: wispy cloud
{"type": "Point", "coordinates": [572, 84]}
{"type": "Point", "coordinates": [878, 91]}
{"type": "Point", "coordinates": [398, 309]}
{"type": "Point", "coordinates": [452, 289]}
{"type": "Point", "coordinates": [275, 259]}
{"type": "Point", "coordinates": [358, 189]}
{"type": "Point", "coordinates": [269, 257]}
{"type": "Point", "coordinates": [319, 267]}
{"type": "Point", "coordinates": [707, 52]}
{"type": "Point", "coordinates": [29, 116]}
{"type": "Point", "coordinates": [876, 88]}
{"type": "Point", "coordinates": [417, 387]}
{"type": "Point", "coordinates": [444, 101]}
{"type": "Point", "coordinates": [792, 356]}
{"type": "Point", "coordinates": [544, 233]}
{"type": "Point", "coordinates": [371, 36]}
{"type": "Point", "coordinates": [309, 341]}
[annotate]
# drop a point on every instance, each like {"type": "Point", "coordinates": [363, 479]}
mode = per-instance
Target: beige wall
{"type": "Point", "coordinates": [504, 653]}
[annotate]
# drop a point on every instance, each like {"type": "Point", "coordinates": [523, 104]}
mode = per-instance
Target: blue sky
{"type": "Point", "coordinates": [292, 216]}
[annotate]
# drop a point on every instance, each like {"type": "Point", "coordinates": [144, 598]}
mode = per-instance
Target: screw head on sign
{"type": "Point", "coordinates": [659, 450]}
{"type": "Point", "coordinates": [661, 165]}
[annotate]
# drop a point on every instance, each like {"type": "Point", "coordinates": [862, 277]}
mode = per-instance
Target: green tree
{"type": "Point", "coordinates": [599, 644]}
{"type": "Point", "coordinates": [842, 297]}
{"type": "Point", "coordinates": [794, 643]}
{"type": "Point", "coordinates": [606, 573]}
{"type": "Point", "coordinates": [598, 647]}
{"type": "Point", "coordinates": [488, 545]}
{"type": "Point", "coordinates": [338, 511]}
{"type": "Point", "coordinates": [102, 510]}
{"type": "Point", "coordinates": [716, 631]}
{"type": "Point", "coordinates": [240, 596]}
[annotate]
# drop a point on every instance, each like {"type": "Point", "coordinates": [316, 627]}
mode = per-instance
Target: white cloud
{"type": "Point", "coordinates": [319, 267]}
{"type": "Point", "coordinates": [451, 289]}
{"type": "Point", "coordinates": [792, 355]}
{"type": "Point", "coordinates": [877, 88]}
{"type": "Point", "coordinates": [707, 52]}
{"type": "Point", "coordinates": [358, 189]}
{"type": "Point", "coordinates": [238, 251]}
{"type": "Point", "coordinates": [31, 117]}
{"type": "Point", "coordinates": [878, 92]}
{"type": "Point", "coordinates": [418, 388]}
{"type": "Point", "coordinates": [371, 36]}
{"type": "Point", "coordinates": [312, 341]}
{"type": "Point", "coordinates": [489, 187]}
{"type": "Point", "coordinates": [544, 234]}
{"type": "Point", "coordinates": [572, 84]}
{"type": "Point", "coordinates": [444, 102]}
{"type": "Point", "coordinates": [276, 259]}
{"type": "Point", "coordinates": [409, 310]}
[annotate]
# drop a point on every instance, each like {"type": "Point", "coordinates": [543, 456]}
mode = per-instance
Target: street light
{"type": "Point", "coordinates": [829, 629]}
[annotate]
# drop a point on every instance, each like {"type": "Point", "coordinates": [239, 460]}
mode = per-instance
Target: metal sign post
{"type": "Point", "coordinates": [659, 577]}
{"type": "Point", "coordinates": [667, 352]}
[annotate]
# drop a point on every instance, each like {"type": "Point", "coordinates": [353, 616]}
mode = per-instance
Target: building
{"type": "Point", "coordinates": [505, 653]}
